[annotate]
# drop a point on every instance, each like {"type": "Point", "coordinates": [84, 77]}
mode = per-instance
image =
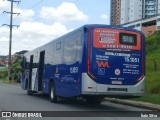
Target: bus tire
{"type": "Point", "coordinates": [52, 95]}
{"type": "Point", "coordinates": [29, 92]}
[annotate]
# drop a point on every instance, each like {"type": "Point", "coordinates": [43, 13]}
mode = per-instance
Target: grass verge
{"type": "Point", "coordinates": [8, 81]}
{"type": "Point", "coordinates": [155, 99]}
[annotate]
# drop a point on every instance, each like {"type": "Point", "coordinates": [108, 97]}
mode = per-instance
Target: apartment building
{"type": "Point", "coordinates": [139, 14]}
{"type": "Point", "coordinates": [130, 10]}
{"type": "Point", "coordinates": [150, 8]}
{"type": "Point", "coordinates": [124, 11]}
{"type": "Point", "coordinates": [115, 12]}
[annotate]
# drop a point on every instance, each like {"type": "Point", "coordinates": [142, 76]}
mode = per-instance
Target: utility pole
{"type": "Point", "coordinates": [10, 36]}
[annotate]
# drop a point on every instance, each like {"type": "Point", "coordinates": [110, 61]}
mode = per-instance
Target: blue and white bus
{"type": "Point", "coordinates": [91, 62]}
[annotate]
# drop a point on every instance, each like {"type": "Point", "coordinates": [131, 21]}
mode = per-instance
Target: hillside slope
{"type": "Point", "coordinates": [153, 64]}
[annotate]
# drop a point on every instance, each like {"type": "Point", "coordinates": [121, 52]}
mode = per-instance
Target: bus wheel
{"type": "Point", "coordinates": [53, 97]}
{"type": "Point", "coordinates": [29, 92]}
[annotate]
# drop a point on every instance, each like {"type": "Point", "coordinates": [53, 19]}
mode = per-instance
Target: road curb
{"type": "Point", "coordinates": [135, 103]}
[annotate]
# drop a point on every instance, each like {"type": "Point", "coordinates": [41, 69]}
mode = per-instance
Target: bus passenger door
{"type": "Point", "coordinates": [24, 73]}
{"type": "Point", "coordinates": [40, 70]}
{"type": "Point", "coordinates": [30, 72]}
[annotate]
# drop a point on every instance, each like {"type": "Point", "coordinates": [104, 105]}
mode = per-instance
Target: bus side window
{"type": "Point", "coordinates": [70, 49]}
{"type": "Point", "coordinates": [49, 54]}
{"type": "Point", "coordinates": [79, 46]}
{"type": "Point", "coordinates": [58, 52]}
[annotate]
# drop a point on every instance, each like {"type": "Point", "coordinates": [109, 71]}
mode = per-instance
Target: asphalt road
{"type": "Point", "coordinates": [13, 98]}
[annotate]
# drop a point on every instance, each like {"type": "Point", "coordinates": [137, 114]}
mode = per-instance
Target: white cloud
{"type": "Point", "coordinates": [30, 35]}
{"type": "Point", "coordinates": [104, 17]}
{"type": "Point", "coordinates": [39, 30]}
{"type": "Point", "coordinates": [3, 32]}
{"type": "Point", "coordinates": [25, 15]}
{"type": "Point", "coordinates": [66, 12]}
{"type": "Point", "coordinates": [4, 5]}
{"type": "Point", "coordinates": [4, 40]}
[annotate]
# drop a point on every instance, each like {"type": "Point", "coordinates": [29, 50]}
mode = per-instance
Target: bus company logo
{"type": "Point", "coordinates": [102, 64]}
{"type": "Point", "coordinates": [6, 114]}
{"type": "Point", "coordinates": [20, 114]}
{"type": "Point", "coordinates": [117, 72]}
{"type": "Point", "coordinates": [106, 39]}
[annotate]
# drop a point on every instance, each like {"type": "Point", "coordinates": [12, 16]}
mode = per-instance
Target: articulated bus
{"type": "Point", "coordinates": [91, 62]}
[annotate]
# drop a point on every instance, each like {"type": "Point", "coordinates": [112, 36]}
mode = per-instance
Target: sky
{"type": "Point", "coordinates": [41, 21]}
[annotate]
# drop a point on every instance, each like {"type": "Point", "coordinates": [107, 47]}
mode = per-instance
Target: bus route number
{"type": "Point", "coordinates": [132, 60]}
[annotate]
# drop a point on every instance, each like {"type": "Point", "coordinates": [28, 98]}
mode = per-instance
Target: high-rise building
{"type": "Point", "coordinates": [115, 12]}
{"type": "Point", "coordinates": [150, 8]}
{"type": "Point", "coordinates": [130, 10]}
{"type": "Point", "coordinates": [125, 11]}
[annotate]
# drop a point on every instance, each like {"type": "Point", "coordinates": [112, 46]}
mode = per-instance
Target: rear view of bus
{"type": "Point", "coordinates": [115, 62]}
